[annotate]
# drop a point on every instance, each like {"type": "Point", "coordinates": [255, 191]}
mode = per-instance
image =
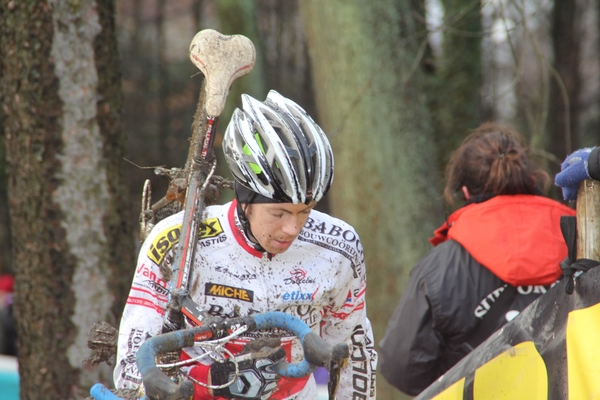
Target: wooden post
{"type": "Point", "coordinates": [588, 220]}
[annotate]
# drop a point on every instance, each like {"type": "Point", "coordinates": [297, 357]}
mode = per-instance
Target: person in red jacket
{"type": "Point", "coordinates": [492, 257]}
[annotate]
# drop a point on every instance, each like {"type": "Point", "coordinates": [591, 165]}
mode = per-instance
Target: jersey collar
{"type": "Point", "coordinates": [239, 235]}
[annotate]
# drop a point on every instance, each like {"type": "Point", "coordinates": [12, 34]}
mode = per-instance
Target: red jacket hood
{"type": "Point", "coordinates": [518, 237]}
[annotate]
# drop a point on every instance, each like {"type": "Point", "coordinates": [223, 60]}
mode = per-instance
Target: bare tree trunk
{"type": "Point", "coordinates": [162, 77]}
{"type": "Point", "coordinates": [5, 242]}
{"type": "Point", "coordinates": [565, 87]}
{"type": "Point", "coordinates": [286, 63]}
{"type": "Point", "coordinates": [238, 17]}
{"type": "Point", "coordinates": [197, 13]}
{"type": "Point", "coordinates": [72, 243]}
{"type": "Point", "coordinates": [456, 107]}
{"type": "Point", "coordinates": [372, 106]}
{"type": "Point", "coordinates": [283, 44]}
{"type": "Point", "coordinates": [120, 249]}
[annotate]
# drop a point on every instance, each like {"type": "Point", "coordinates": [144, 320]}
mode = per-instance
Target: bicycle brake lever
{"type": "Point", "coordinates": [334, 369]}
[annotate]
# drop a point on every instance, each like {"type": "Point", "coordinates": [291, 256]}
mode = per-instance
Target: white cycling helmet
{"type": "Point", "coordinates": [275, 149]}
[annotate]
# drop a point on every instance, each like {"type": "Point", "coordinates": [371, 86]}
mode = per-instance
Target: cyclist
{"type": "Point", "coordinates": [268, 249]}
{"type": "Point", "coordinates": [494, 256]}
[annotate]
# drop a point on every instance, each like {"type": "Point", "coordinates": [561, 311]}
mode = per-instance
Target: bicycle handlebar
{"type": "Point", "coordinates": [317, 352]}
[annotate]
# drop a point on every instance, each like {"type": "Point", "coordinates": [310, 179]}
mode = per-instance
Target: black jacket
{"type": "Point", "coordinates": [427, 333]}
{"type": "Point", "coordinates": [449, 292]}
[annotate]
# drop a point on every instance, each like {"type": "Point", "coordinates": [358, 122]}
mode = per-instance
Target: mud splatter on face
{"type": "Point", "coordinates": [276, 226]}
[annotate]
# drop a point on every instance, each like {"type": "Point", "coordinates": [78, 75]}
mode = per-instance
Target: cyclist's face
{"type": "Point", "coordinates": [276, 226]}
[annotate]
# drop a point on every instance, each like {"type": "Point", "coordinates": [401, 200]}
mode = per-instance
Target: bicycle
{"type": "Point", "coordinates": [212, 337]}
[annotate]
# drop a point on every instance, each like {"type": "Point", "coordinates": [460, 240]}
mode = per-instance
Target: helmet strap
{"type": "Point", "coordinates": [245, 197]}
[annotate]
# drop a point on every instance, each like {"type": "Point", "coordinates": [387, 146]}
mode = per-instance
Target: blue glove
{"type": "Point", "coordinates": [572, 171]}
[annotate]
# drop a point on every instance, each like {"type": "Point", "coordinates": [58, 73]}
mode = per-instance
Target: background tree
{"type": "Point", "coordinates": [455, 91]}
{"type": "Point", "coordinates": [72, 243]}
{"type": "Point", "coordinates": [565, 83]}
{"type": "Point", "coordinates": [5, 248]}
{"type": "Point", "coordinates": [369, 101]}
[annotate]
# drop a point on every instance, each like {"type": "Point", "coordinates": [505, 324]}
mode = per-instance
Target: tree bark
{"type": "Point", "coordinates": [285, 56]}
{"type": "Point", "coordinates": [71, 238]}
{"type": "Point", "coordinates": [372, 106]}
{"type": "Point", "coordinates": [283, 45]}
{"type": "Point", "coordinates": [565, 84]}
{"type": "Point", "coordinates": [5, 241]}
{"type": "Point", "coordinates": [162, 74]}
{"type": "Point", "coordinates": [456, 105]}
{"type": "Point", "coordinates": [238, 17]}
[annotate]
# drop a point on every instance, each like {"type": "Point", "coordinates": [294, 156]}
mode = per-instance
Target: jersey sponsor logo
{"type": "Point", "coordinates": [348, 297]}
{"type": "Point", "coordinates": [299, 276]}
{"type": "Point", "coordinates": [355, 295]}
{"type": "Point", "coordinates": [134, 341]}
{"type": "Point", "coordinates": [230, 292]}
{"type": "Point", "coordinates": [310, 315]}
{"type": "Point", "coordinates": [241, 277]}
{"type": "Point", "coordinates": [157, 287]}
{"type": "Point", "coordinates": [300, 296]}
{"type": "Point", "coordinates": [363, 376]}
{"type": "Point", "coordinates": [210, 228]}
{"type": "Point", "coordinates": [163, 242]}
{"type": "Point", "coordinates": [157, 283]}
{"type": "Point", "coordinates": [329, 230]}
{"type": "Point", "coordinates": [336, 232]}
{"type": "Point", "coordinates": [166, 239]}
{"type": "Point", "coordinates": [349, 300]}
{"type": "Point", "coordinates": [138, 301]}
{"type": "Point", "coordinates": [334, 238]}
{"type": "Point", "coordinates": [207, 242]}
{"type": "Point", "coordinates": [216, 310]}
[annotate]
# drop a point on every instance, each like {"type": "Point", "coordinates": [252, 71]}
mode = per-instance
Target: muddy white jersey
{"type": "Point", "coordinates": [320, 279]}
